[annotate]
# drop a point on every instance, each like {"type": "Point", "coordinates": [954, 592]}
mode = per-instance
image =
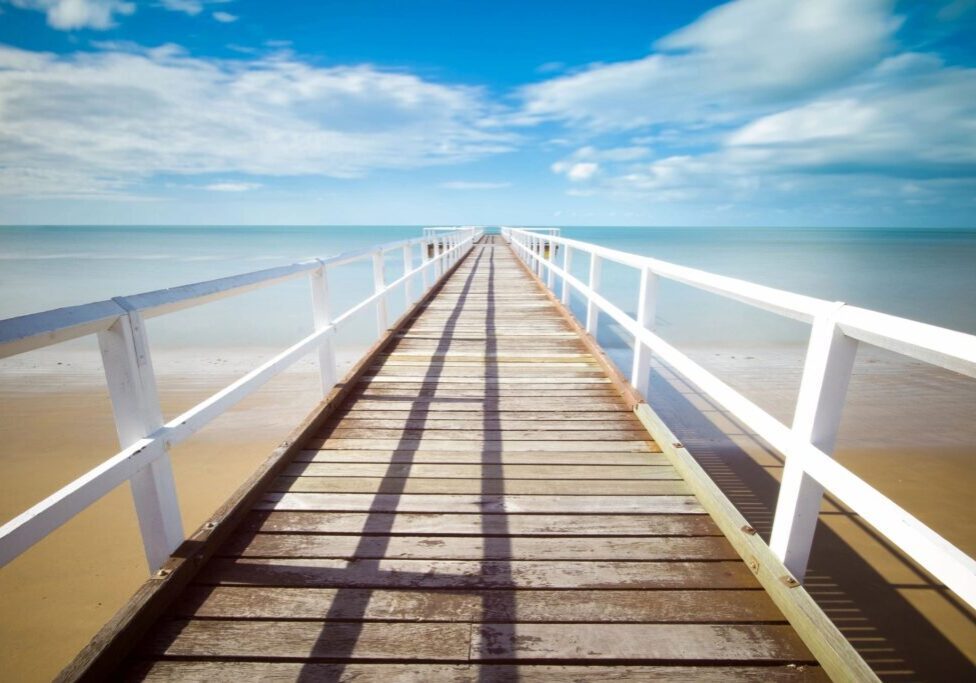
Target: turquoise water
{"type": "Point", "coordinates": [927, 275]}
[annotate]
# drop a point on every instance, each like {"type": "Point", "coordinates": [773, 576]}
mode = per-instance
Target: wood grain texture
{"type": "Point", "coordinates": [197, 671]}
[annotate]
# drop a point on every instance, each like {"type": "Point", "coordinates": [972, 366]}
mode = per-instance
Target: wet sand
{"type": "Point", "coordinates": [909, 430]}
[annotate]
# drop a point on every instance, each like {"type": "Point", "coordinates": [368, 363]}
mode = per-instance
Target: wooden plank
{"type": "Point", "coordinates": [209, 671]}
{"type": "Point", "coordinates": [609, 423]}
{"type": "Point", "coordinates": [428, 444]}
{"type": "Point", "coordinates": [449, 405]}
{"type": "Point", "coordinates": [496, 471]}
{"type": "Point", "coordinates": [301, 640]}
{"type": "Point", "coordinates": [571, 606]}
{"type": "Point", "coordinates": [342, 432]}
{"type": "Point", "coordinates": [433, 412]}
{"type": "Point", "coordinates": [639, 642]}
{"type": "Point", "coordinates": [488, 382]}
{"type": "Point", "coordinates": [483, 574]}
{"type": "Point", "coordinates": [487, 504]}
{"type": "Point", "coordinates": [448, 524]}
{"type": "Point", "coordinates": [409, 390]}
{"type": "Point", "coordinates": [513, 487]}
{"type": "Point", "coordinates": [246, 544]}
{"type": "Point", "coordinates": [449, 457]}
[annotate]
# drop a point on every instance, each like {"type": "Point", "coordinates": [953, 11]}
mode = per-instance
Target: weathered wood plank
{"type": "Point", "coordinates": [302, 640]}
{"type": "Point", "coordinates": [340, 431]}
{"type": "Point", "coordinates": [560, 487]}
{"type": "Point", "coordinates": [468, 574]}
{"type": "Point", "coordinates": [508, 472]}
{"type": "Point", "coordinates": [429, 444]}
{"type": "Point", "coordinates": [486, 504]}
{"type": "Point", "coordinates": [208, 671]}
{"type": "Point", "coordinates": [448, 524]}
{"type": "Point", "coordinates": [552, 459]}
{"type": "Point", "coordinates": [433, 412]}
{"type": "Point", "coordinates": [246, 544]}
{"type": "Point", "coordinates": [612, 606]}
{"type": "Point", "coordinates": [608, 424]}
{"type": "Point", "coordinates": [639, 642]}
{"type": "Point", "coordinates": [449, 405]}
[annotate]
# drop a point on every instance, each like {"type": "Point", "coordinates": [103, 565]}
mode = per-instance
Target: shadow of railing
{"type": "Point", "coordinates": [882, 624]}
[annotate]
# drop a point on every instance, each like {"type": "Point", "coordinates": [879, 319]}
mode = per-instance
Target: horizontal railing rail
{"type": "Point", "coordinates": [124, 345]}
{"type": "Point", "coordinates": [807, 444]}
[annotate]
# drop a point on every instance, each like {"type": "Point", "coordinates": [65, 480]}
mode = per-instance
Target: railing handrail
{"type": "Point", "coordinates": [37, 330]}
{"type": "Point", "coordinates": [947, 348]}
{"type": "Point", "coordinates": [144, 437]}
{"type": "Point", "coordinates": [809, 470]}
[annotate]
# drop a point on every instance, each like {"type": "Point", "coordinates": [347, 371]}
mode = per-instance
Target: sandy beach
{"type": "Point", "coordinates": [908, 430]}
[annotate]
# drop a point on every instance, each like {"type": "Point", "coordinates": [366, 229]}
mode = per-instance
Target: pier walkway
{"type": "Point", "coordinates": [480, 503]}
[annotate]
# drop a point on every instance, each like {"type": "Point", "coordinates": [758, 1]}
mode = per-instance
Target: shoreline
{"type": "Point", "coordinates": [52, 611]}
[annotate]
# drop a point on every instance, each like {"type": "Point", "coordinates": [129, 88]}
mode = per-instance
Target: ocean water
{"type": "Point", "coordinates": [923, 274]}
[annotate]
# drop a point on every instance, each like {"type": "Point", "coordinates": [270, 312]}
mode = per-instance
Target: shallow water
{"type": "Point", "coordinates": [926, 275]}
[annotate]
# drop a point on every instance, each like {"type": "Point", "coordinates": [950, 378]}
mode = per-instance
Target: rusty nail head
{"type": "Point", "coordinates": [790, 581]}
{"type": "Point", "coordinates": [749, 530]}
{"type": "Point", "coordinates": [678, 444]}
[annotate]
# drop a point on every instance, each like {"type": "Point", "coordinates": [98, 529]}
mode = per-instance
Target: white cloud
{"type": "Point", "coordinates": [913, 118]}
{"type": "Point", "coordinates": [232, 187]}
{"type": "Point", "coordinates": [68, 15]}
{"type": "Point", "coordinates": [576, 171]}
{"type": "Point", "coordinates": [191, 7]}
{"type": "Point", "coordinates": [745, 55]}
{"type": "Point", "coordinates": [225, 17]}
{"type": "Point", "coordinates": [124, 116]}
{"type": "Point", "coordinates": [473, 185]}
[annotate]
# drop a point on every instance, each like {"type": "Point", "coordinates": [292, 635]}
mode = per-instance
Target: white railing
{"type": "Point", "coordinates": [144, 437]}
{"type": "Point", "coordinates": [837, 329]}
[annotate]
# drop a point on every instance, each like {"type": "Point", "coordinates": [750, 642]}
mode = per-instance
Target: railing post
{"type": "Point", "coordinates": [550, 276]}
{"type": "Point", "coordinates": [819, 406]}
{"type": "Point", "coordinates": [592, 312]}
{"type": "Point", "coordinates": [424, 260]}
{"type": "Point", "coordinates": [379, 283]}
{"type": "Point", "coordinates": [567, 264]}
{"type": "Point", "coordinates": [135, 404]}
{"type": "Point", "coordinates": [646, 310]}
{"type": "Point", "coordinates": [322, 316]}
{"type": "Point", "coordinates": [407, 267]}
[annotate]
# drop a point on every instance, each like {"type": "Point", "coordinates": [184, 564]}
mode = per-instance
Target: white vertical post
{"type": "Point", "coordinates": [646, 311]}
{"type": "Point", "coordinates": [424, 259]}
{"type": "Point", "coordinates": [819, 406]}
{"type": "Point", "coordinates": [135, 404]}
{"type": "Point", "coordinates": [592, 313]}
{"type": "Point", "coordinates": [379, 283]}
{"type": "Point", "coordinates": [537, 262]}
{"type": "Point", "coordinates": [407, 267]}
{"type": "Point", "coordinates": [322, 315]}
{"type": "Point", "coordinates": [550, 276]}
{"type": "Point", "coordinates": [438, 250]}
{"type": "Point", "coordinates": [567, 264]}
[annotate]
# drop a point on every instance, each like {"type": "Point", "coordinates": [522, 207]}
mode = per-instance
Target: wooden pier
{"type": "Point", "coordinates": [476, 501]}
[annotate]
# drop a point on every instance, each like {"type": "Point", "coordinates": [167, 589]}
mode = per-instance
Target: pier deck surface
{"type": "Point", "coordinates": [483, 506]}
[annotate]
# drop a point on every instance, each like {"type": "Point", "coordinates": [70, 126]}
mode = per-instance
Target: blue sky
{"type": "Point", "coordinates": [751, 112]}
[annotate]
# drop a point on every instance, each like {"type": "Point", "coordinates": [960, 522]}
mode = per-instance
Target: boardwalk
{"type": "Point", "coordinates": [482, 506]}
